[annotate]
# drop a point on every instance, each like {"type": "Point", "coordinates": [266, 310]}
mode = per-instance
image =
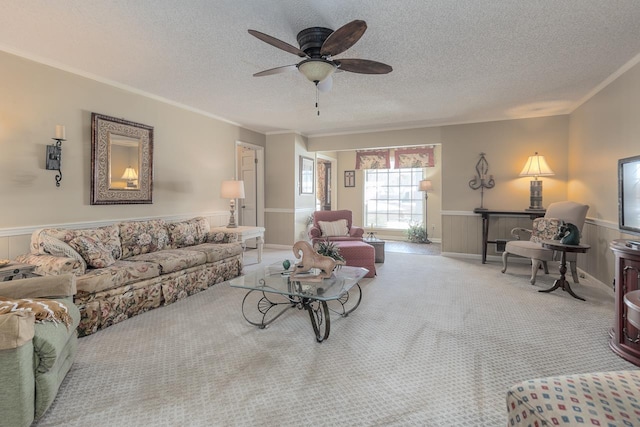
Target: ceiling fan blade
{"type": "Point", "coordinates": [363, 66]}
{"type": "Point", "coordinates": [343, 38]}
{"type": "Point", "coordinates": [278, 43]}
{"type": "Point", "coordinates": [276, 70]}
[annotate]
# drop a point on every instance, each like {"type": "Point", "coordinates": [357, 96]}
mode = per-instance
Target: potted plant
{"type": "Point", "coordinates": [327, 248]}
{"type": "Point", "coordinates": [417, 233]}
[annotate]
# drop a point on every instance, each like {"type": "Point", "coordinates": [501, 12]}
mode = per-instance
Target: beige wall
{"type": "Point", "coordinates": [286, 209]}
{"type": "Point", "coordinates": [192, 153]}
{"type": "Point", "coordinates": [602, 131]}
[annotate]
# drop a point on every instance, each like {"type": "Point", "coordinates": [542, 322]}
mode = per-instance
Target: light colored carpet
{"type": "Point", "coordinates": [412, 248]}
{"type": "Point", "coordinates": [436, 341]}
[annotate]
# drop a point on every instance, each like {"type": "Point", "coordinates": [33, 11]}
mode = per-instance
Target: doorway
{"type": "Point", "coordinates": [250, 169]}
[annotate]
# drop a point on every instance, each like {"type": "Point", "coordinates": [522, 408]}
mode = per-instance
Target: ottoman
{"type": "Point", "coordinates": [358, 254]}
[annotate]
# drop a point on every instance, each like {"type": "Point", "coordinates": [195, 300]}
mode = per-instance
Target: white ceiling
{"type": "Point", "coordinates": [454, 61]}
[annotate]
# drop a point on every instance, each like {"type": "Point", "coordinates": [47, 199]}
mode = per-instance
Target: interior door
{"type": "Point", "coordinates": [249, 206]}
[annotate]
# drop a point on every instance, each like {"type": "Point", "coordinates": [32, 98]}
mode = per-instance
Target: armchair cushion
{"type": "Point", "coordinates": [16, 329]}
{"type": "Point", "coordinates": [334, 228]}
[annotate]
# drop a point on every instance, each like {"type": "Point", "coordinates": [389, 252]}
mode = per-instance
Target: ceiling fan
{"type": "Point", "coordinates": [318, 45]}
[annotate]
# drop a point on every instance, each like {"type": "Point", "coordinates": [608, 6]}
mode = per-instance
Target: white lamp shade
{"type": "Point", "coordinates": [425, 185]}
{"type": "Point", "coordinates": [536, 166]}
{"type": "Point", "coordinates": [316, 70]}
{"type": "Point", "coordinates": [232, 189]}
{"type": "Point", "coordinates": [129, 174]}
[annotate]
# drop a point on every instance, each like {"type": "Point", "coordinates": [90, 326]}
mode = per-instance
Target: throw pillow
{"type": "Point", "coordinates": [334, 228]}
{"type": "Point", "coordinates": [189, 232]}
{"type": "Point", "coordinates": [57, 247]}
{"type": "Point", "coordinates": [94, 252]}
{"type": "Point", "coordinates": [544, 229]}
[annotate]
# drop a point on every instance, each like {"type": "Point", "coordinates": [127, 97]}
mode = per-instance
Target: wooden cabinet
{"type": "Point", "coordinates": [625, 338]}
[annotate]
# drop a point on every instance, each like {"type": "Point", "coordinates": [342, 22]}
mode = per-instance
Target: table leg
{"type": "Point", "coordinates": [485, 237]}
{"type": "Point", "coordinates": [562, 281]}
{"type": "Point", "coordinates": [260, 243]}
{"type": "Point", "coordinates": [319, 316]}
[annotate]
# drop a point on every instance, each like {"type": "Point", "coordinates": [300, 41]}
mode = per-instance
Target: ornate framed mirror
{"type": "Point", "coordinates": [121, 161]}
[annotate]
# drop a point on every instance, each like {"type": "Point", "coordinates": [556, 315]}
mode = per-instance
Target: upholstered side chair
{"type": "Point", "coordinates": [545, 229]}
{"type": "Point", "coordinates": [334, 225]}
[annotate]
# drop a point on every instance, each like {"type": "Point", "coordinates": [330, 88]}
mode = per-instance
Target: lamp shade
{"type": "Point", "coordinates": [425, 185]}
{"type": "Point", "coordinates": [536, 166]}
{"type": "Point", "coordinates": [232, 189]}
{"type": "Point", "coordinates": [129, 174]}
{"type": "Point", "coordinates": [316, 70]}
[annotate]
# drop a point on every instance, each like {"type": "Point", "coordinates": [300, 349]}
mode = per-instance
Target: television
{"type": "Point", "coordinates": [629, 194]}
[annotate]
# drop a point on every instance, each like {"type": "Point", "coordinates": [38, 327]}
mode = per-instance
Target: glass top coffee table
{"type": "Point", "coordinates": [272, 291]}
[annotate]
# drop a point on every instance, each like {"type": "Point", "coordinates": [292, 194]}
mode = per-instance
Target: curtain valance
{"type": "Point", "coordinates": [373, 159]}
{"type": "Point", "coordinates": [415, 157]}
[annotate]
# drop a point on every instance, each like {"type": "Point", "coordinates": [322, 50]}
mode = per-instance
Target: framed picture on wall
{"type": "Point", "coordinates": [306, 175]}
{"type": "Point", "coordinates": [349, 178]}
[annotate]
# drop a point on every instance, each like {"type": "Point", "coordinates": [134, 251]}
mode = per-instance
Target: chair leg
{"type": "Point", "coordinates": [574, 271]}
{"type": "Point", "coordinates": [505, 255]}
{"type": "Point", "coordinates": [546, 268]}
{"type": "Point", "coordinates": [535, 266]}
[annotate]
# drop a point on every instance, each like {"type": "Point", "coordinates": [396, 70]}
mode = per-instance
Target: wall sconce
{"type": "Point", "coordinates": [232, 190]}
{"type": "Point", "coordinates": [54, 153]}
{"type": "Point", "coordinates": [536, 166]}
{"type": "Point", "coordinates": [130, 176]}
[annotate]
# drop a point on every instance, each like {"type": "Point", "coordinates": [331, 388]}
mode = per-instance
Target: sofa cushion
{"type": "Point", "coordinates": [109, 235]}
{"type": "Point", "coordinates": [171, 260]}
{"type": "Point", "coordinates": [56, 247]}
{"type": "Point", "coordinates": [217, 251]}
{"type": "Point", "coordinates": [117, 274]}
{"type": "Point", "coordinates": [95, 253]}
{"type": "Point", "coordinates": [141, 237]}
{"type": "Point", "coordinates": [334, 228]}
{"type": "Point", "coordinates": [187, 233]}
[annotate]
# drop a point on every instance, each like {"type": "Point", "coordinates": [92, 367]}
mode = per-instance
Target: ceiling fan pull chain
{"type": "Point", "coordinates": [317, 98]}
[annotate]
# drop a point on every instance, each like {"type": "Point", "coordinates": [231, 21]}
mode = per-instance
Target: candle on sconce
{"type": "Point", "coordinates": [60, 132]}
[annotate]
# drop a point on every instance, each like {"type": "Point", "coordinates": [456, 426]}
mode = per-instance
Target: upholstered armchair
{"type": "Point", "coordinates": [545, 229]}
{"type": "Point", "coordinates": [35, 353]}
{"type": "Point", "coordinates": [335, 226]}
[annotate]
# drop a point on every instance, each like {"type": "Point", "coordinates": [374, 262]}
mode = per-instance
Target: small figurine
{"type": "Point", "coordinates": [568, 234]}
{"type": "Point", "coordinates": [312, 259]}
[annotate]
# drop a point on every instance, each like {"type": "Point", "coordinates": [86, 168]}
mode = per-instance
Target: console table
{"type": "Point", "coordinates": [246, 232]}
{"type": "Point", "coordinates": [486, 214]}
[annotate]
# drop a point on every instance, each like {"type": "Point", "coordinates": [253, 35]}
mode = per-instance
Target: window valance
{"type": "Point", "coordinates": [373, 159]}
{"type": "Point", "coordinates": [415, 157]}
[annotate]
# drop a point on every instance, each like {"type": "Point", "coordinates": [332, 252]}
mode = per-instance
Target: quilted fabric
{"type": "Point", "coordinates": [609, 399]}
{"type": "Point", "coordinates": [171, 260]}
{"type": "Point", "coordinates": [56, 247]}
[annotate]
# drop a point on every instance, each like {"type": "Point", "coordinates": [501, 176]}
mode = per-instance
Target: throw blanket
{"type": "Point", "coordinates": [43, 309]}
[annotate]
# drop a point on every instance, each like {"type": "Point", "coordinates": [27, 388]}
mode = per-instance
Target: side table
{"type": "Point", "coordinates": [378, 246]}
{"type": "Point", "coordinates": [16, 271]}
{"type": "Point", "coordinates": [563, 249]}
{"type": "Point", "coordinates": [246, 232]}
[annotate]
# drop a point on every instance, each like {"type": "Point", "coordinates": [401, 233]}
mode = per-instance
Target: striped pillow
{"type": "Point", "coordinates": [334, 228]}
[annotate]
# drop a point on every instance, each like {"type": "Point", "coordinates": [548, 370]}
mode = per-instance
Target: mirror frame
{"type": "Point", "coordinates": [101, 193]}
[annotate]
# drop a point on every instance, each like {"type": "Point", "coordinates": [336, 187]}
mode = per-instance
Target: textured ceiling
{"type": "Point", "coordinates": [454, 61]}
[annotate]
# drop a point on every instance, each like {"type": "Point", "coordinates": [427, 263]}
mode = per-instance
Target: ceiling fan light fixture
{"type": "Point", "coordinates": [316, 70]}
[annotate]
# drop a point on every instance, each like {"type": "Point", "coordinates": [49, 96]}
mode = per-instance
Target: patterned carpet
{"type": "Point", "coordinates": [412, 248]}
{"type": "Point", "coordinates": [436, 341]}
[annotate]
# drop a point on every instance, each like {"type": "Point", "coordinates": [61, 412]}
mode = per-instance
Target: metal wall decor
{"type": "Point", "coordinates": [53, 161]}
{"type": "Point", "coordinates": [480, 181]}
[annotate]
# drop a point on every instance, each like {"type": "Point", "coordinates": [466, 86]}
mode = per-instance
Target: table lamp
{"type": "Point", "coordinates": [130, 176]}
{"type": "Point", "coordinates": [536, 166]}
{"type": "Point", "coordinates": [232, 190]}
{"type": "Point", "coordinates": [426, 186]}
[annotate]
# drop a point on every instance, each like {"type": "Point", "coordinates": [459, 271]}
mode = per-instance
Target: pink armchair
{"type": "Point", "coordinates": [335, 226]}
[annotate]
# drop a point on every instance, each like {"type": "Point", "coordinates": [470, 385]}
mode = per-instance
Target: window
{"type": "Point", "coordinates": [392, 199]}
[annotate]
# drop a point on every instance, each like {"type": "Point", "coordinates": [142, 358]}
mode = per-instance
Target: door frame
{"type": "Point", "coordinates": [259, 177]}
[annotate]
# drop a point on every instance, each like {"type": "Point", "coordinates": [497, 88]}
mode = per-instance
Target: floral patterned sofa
{"type": "Point", "coordinates": [131, 267]}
